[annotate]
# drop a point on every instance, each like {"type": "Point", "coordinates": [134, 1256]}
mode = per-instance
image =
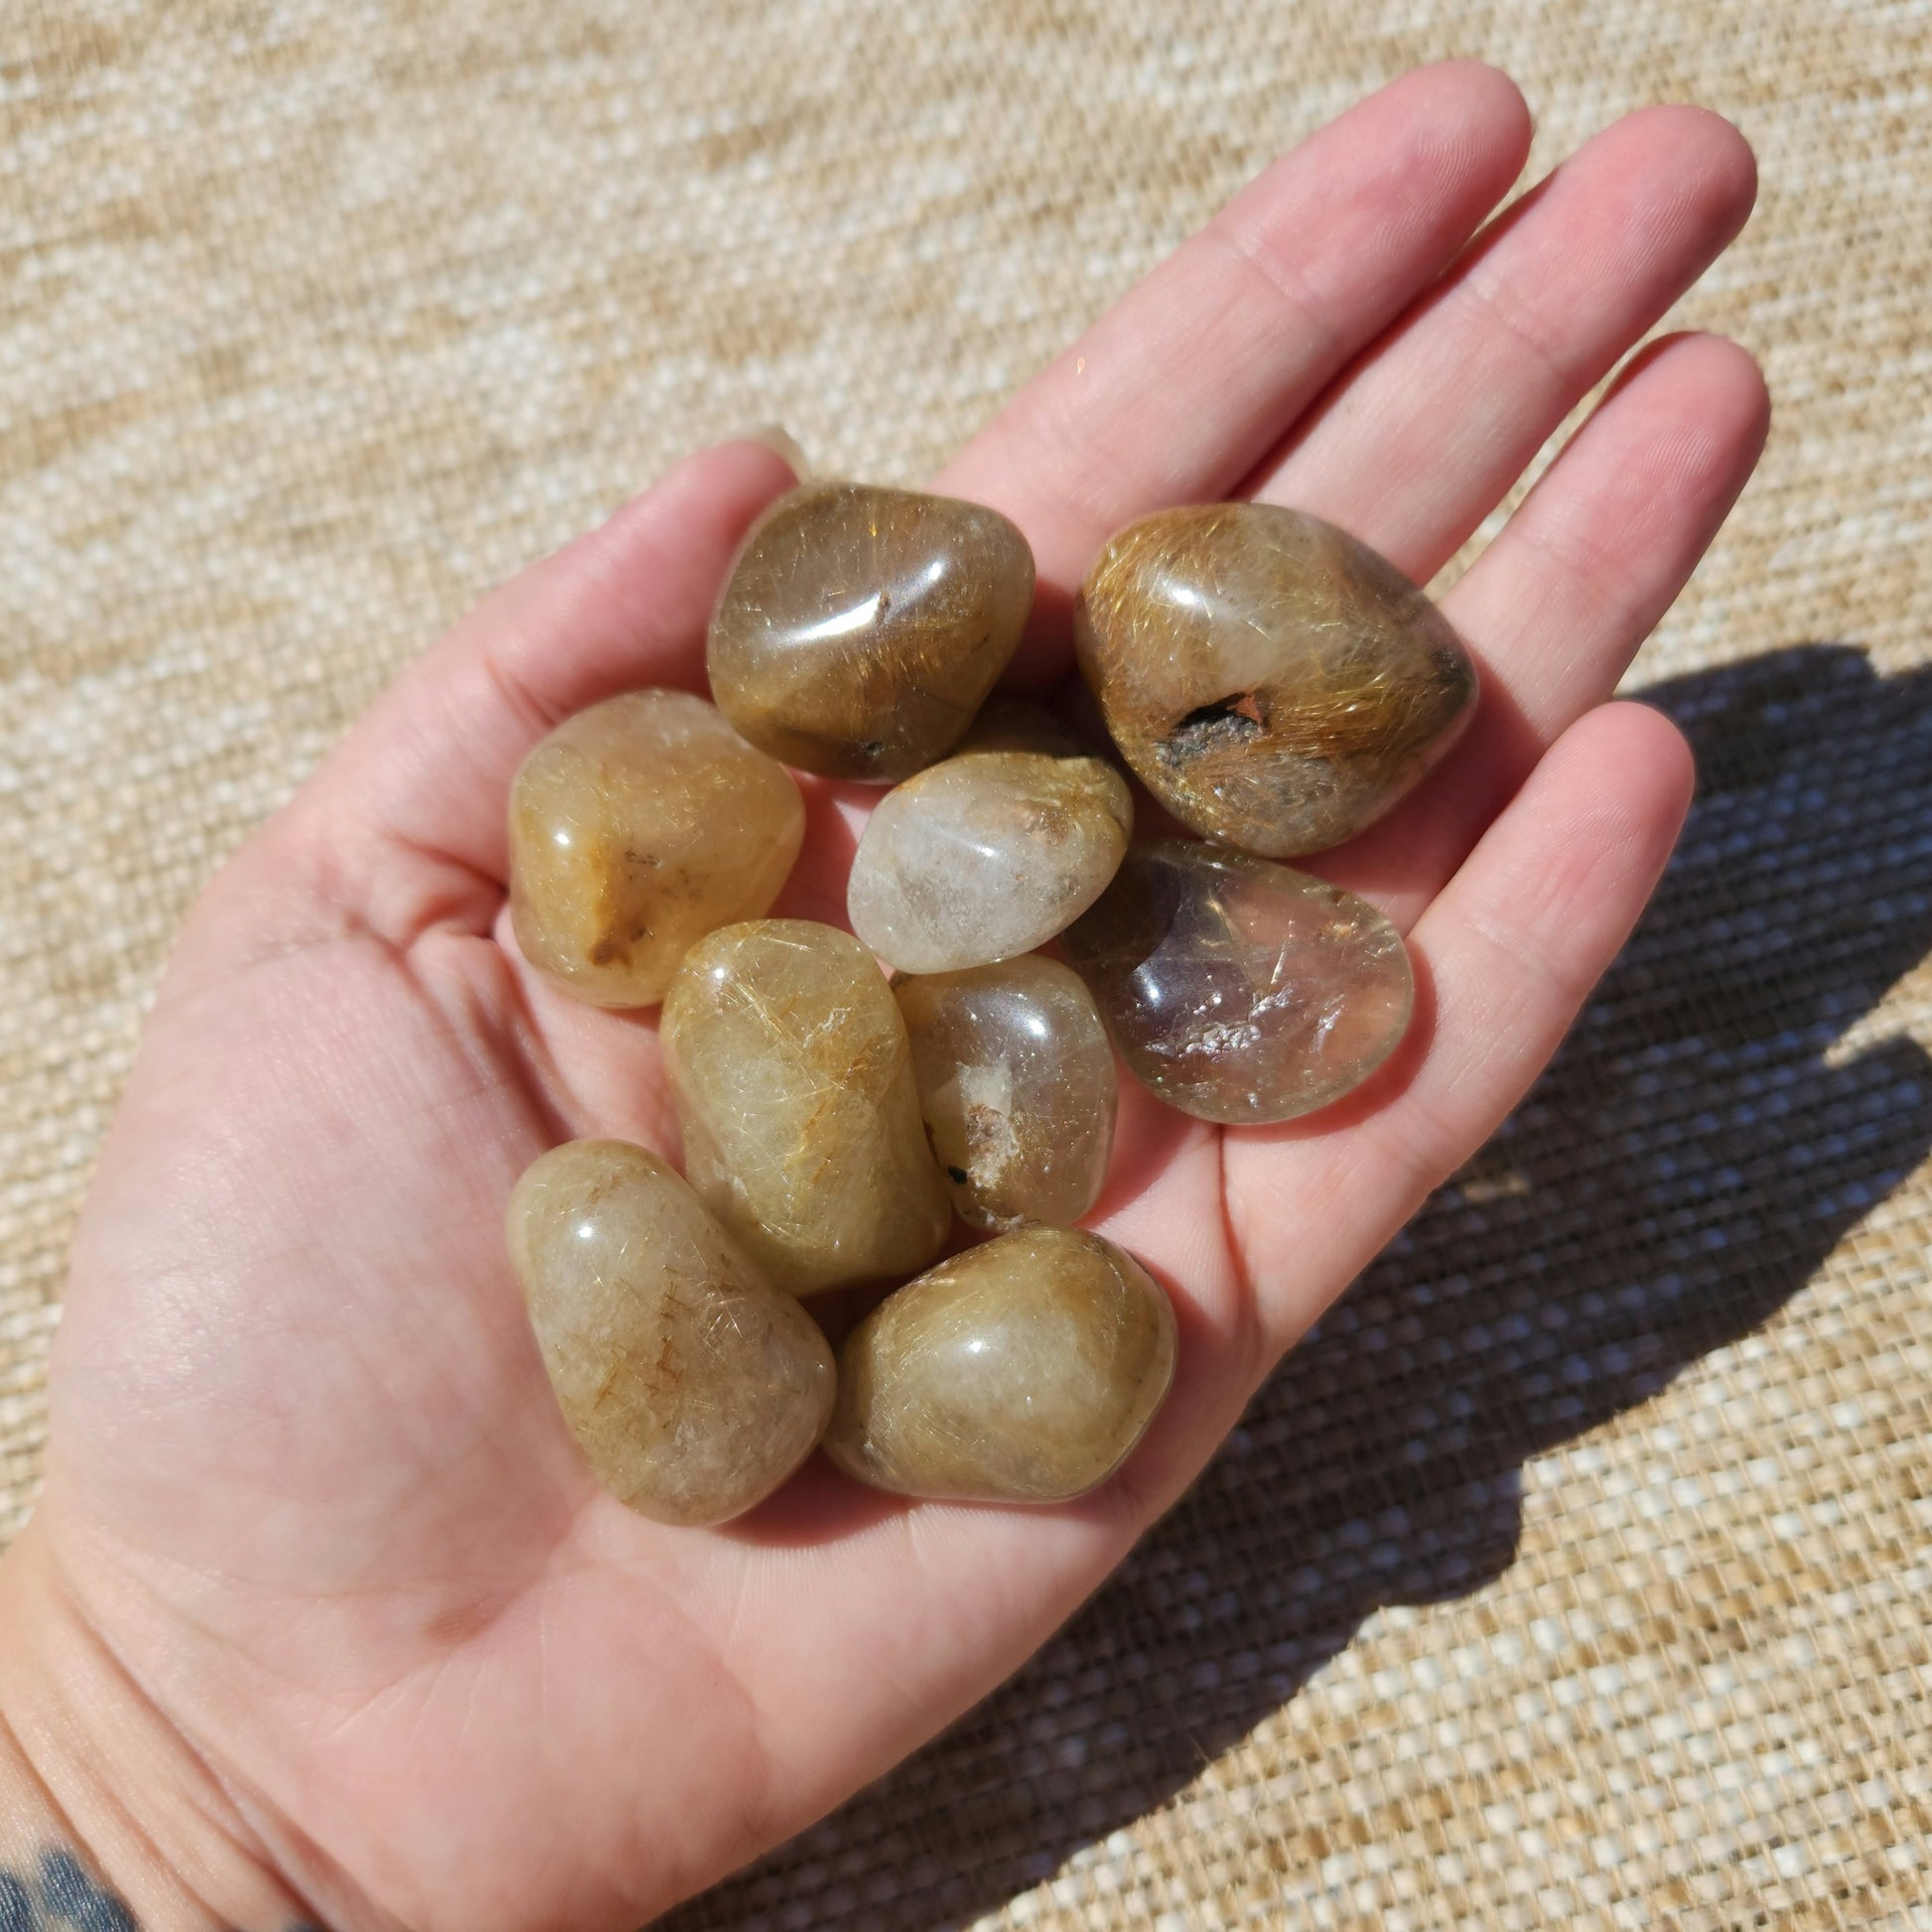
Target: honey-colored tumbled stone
{"type": "Point", "coordinates": [636, 827]}
{"type": "Point", "coordinates": [692, 1386]}
{"type": "Point", "coordinates": [1237, 989]}
{"type": "Point", "coordinates": [1276, 684]}
{"type": "Point", "coordinates": [991, 852]}
{"type": "Point", "coordinates": [792, 1079]}
{"type": "Point", "coordinates": [1021, 1371]}
{"type": "Point", "coordinates": [1016, 1080]}
{"type": "Point", "coordinates": [861, 628]}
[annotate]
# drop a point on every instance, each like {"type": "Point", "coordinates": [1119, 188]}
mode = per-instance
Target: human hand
{"type": "Point", "coordinates": [321, 1615]}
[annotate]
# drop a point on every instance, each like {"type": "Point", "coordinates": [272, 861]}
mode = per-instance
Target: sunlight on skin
{"type": "Point", "coordinates": [307, 1484]}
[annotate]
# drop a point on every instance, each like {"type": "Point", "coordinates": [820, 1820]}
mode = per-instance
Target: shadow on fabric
{"type": "Point", "coordinates": [1697, 1149]}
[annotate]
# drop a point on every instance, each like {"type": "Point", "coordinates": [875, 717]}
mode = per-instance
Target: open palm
{"type": "Point", "coordinates": [307, 1482]}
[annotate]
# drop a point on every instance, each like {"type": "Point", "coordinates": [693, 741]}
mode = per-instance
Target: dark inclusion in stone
{"type": "Point", "coordinates": [1276, 684]}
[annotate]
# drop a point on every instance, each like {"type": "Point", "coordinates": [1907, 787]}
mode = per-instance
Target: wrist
{"type": "Point", "coordinates": [44, 1876]}
{"type": "Point", "coordinates": [108, 1819]}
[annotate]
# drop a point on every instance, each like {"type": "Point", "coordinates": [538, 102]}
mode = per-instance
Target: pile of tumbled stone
{"type": "Point", "coordinates": [1273, 684]}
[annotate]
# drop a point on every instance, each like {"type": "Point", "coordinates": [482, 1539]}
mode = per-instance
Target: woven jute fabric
{"type": "Point", "coordinates": [1574, 1572]}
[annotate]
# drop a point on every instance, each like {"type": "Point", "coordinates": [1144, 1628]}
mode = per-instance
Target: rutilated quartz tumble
{"type": "Point", "coordinates": [792, 1079]}
{"type": "Point", "coordinates": [1017, 1084]}
{"type": "Point", "coordinates": [991, 852]}
{"type": "Point", "coordinates": [862, 627]}
{"type": "Point", "coordinates": [634, 828]}
{"type": "Point", "coordinates": [692, 1387]}
{"type": "Point", "coordinates": [1024, 1370]}
{"type": "Point", "coordinates": [1275, 683]}
{"type": "Point", "coordinates": [1239, 990]}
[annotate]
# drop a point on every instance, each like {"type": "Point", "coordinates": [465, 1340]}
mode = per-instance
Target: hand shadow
{"type": "Point", "coordinates": [1678, 1174]}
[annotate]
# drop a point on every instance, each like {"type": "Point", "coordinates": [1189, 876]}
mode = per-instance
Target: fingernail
{"type": "Point", "coordinates": [779, 441]}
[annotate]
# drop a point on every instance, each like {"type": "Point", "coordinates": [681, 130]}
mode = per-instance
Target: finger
{"type": "Point", "coordinates": [405, 821]}
{"type": "Point", "coordinates": [1558, 603]}
{"type": "Point", "coordinates": [1416, 444]}
{"type": "Point", "coordinates": [1508, 954]}
{"type": "Point", "coordinates": [1175, 395]}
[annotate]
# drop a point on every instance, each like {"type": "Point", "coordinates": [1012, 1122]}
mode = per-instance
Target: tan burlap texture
{"type": "Point", "coordinates": [1573, 1573]}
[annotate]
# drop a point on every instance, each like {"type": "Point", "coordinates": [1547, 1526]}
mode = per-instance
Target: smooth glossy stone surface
{"type": "Point", "coordinates": [692, 1387]}
{"type": "Point", "coordinates": [1276, 684]}
{"type": "Point", "coordinates": [792, 1078]}
{"type": "Point", "coordinates": [1016, 1080]}
{"type": "Point", "coordinates": [636, 827]}
{"type": "Point", "coordinates": [1022, 1371]}
{"type": "Point", "coordinates": [1237, 989]}
{"type": "Point", "coordinates": [861, 628]}
{"type": "Point", "coordinates": [991, 852]}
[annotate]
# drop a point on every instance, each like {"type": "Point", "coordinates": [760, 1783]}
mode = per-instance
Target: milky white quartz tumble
{"type": "Point", "coordinates": [992, 852]}
{"type": "Point", "coordinates": [692, 1387]}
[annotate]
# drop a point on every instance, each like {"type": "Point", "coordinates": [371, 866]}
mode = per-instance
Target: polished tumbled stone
{"type": "Point", "coordinates": [991, 852]}
{"type": "Point", "coordinates": [1017, 1084]}
{"type": "Point", "coordinates": [636, 827]}
{"type": "Point", "coordinates": [1276, 684]}
{"type": "Point", "coordinates": [1024, 1370]}
{"type": "Point", "coordinates": [792, 1079]}
{"type": "Point", "coordinates": [1237, 989]}
{"type": "Point", "coordinates": [861, 627]}
{"type": "Point", "coordinates": [692, 1386]}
